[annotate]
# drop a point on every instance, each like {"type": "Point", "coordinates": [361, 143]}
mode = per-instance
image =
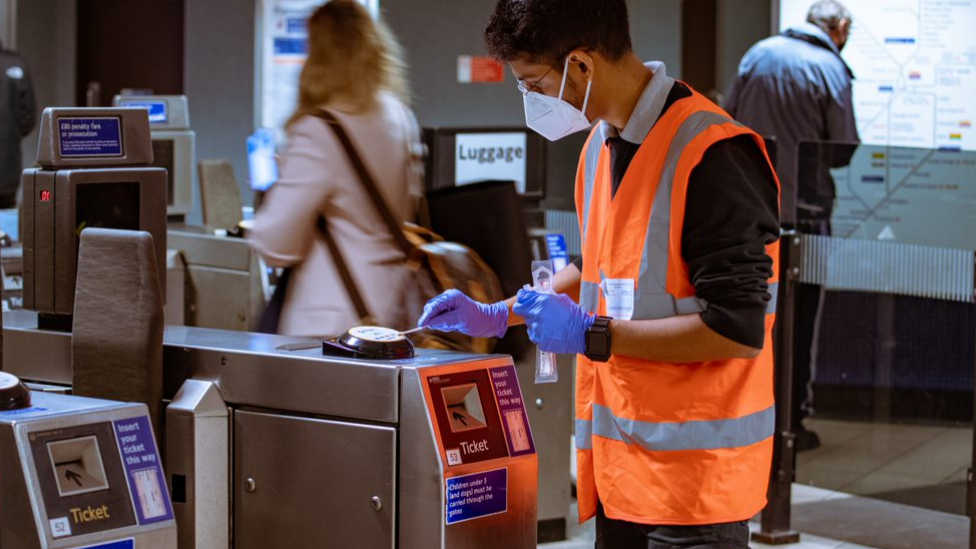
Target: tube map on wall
{"type": "Point", "coordinates": [914, 63]}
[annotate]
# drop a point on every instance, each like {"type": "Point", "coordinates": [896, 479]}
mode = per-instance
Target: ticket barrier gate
{"type": "Point", "coordinates": [78, 472]}
{"type": "Point", "coordinates": [433, 451]}
{"type": "Point", "coordinates": [268, 440]}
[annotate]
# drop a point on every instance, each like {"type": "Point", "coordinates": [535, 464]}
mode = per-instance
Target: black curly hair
{"type": "Point", "coordinates": [543, 31]}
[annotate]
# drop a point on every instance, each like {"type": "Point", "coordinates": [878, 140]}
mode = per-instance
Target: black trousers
{"type": "Point", "coordinates": [809, 305]}
{"type": "Point", "coordinates": [619, 534]}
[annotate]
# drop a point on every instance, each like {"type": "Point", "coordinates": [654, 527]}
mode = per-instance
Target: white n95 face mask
{"type": "Point", "coordinates": [552, 117]}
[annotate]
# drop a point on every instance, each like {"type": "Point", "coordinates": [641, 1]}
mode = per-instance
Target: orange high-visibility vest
{"type": "Point", "coordinates": [662, 443]}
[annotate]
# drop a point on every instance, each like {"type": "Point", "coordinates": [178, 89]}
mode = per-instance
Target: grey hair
{"type": "Point", "coordinates": [827, 14]}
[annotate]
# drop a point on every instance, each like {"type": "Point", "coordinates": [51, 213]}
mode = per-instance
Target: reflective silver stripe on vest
{"type": "Point", "coordinates": [589, 297]}
{"type": "Point", "coordinates": [774, 295]}
{"type": "Point", "coordinates": [689, 435]}
{"type": "Point", "coordinates": [589, 177]}
{"type": "Point", "coordinates": [653, 278]}
{"type": "Point", "coordinates": [652, 300]}
{"type": "Point", "coordinates": [584, 434]}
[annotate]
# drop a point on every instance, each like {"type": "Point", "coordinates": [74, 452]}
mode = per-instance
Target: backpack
{"type": "Point", "coordinates": [435, 265]}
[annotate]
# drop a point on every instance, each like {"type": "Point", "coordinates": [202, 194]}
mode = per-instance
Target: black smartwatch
{"type": "Point", "coordinates": [598, 340]}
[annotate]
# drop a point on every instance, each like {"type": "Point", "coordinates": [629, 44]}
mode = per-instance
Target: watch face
{"type": "Point", "coordinates": [601, 343]}
{"type": "Point", "coordinates": [597, 344]}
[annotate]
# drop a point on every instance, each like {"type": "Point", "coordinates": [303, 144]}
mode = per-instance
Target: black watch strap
{"type": "Point", "coordinates": [598, 340]}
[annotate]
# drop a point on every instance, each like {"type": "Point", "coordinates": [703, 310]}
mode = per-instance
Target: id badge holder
{"type": "Point", "coordinates": [619, 295]}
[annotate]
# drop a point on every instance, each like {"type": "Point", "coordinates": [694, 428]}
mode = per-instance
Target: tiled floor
{"type": "Point", "coordinates": [582, 537]}
{"type": "Point", "coordinates": [873, 459]}
{"type": "Point", "coordinates": [859, 458]}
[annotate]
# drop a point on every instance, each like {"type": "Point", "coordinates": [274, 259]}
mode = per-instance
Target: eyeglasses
{"type": "Point", "coordinates": [526, 88]}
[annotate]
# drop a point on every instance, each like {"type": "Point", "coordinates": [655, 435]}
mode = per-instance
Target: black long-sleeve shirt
{"type": "Point", "coordinates": [731, 214]}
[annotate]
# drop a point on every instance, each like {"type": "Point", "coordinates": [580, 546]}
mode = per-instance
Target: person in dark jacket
{"type": "Point", "coordinates": [796, 87]}
{"type": "Point", "coordinates": [17, 119]}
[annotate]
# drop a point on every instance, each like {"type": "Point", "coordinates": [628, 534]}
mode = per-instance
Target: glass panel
{"type": "Point", "coordinates": [883, 368]}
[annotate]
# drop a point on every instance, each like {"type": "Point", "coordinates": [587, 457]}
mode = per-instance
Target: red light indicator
{"type": "Point", "coordinates": [46, 196]}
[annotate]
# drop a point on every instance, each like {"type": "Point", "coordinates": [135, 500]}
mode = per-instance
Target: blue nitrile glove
{"type": "Point", "coordinates": [555, 322]}
{"type": "Point", "coordinates": [452, 311]}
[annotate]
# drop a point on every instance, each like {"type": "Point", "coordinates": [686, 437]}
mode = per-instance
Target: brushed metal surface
{"type": "Point", "coordinates": [288, 457]}
{"type": "Point", "coordinates": [32, 354]}
{"type": "Point", "coordinates": [175, 288]}
{"type": "Point", "coordinates": [552, 426]}
{"type": "Point", "coordinates": [198, 448]}
{"type": "Point", "coordinates": [514, 529]}
{"type": "Point", "coordinates": [201, 247]}
{"type": "Point", "coordinates": [422, 484]}
{"type": "Point", "coordinates": [314, 481]}
{"type": "Point", "coordinates": [219, 298]}
{"type": "Point", "coordinates": [182, 170]}
{"type": "Point", "coordinates": [250, 370]}
{"type": "Point", "coordinates": [421, 481]}
{"type": "Point", "coordinates": [19, 514]}
{"type": "Point", "coordinates": [18, 527]}
{"type": "Point", "coordinates": [224, 279]}
{"type": "Point", "coordinates": [887, 267]}
{"type": "Point", "coordinates": [247, 368]}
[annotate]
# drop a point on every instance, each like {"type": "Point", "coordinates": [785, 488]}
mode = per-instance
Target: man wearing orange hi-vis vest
{"type": "Point", "coordinates": [671, 305]}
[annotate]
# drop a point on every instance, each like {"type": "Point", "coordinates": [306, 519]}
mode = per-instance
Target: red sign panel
{"type": "Point", "coordinates": [480, 69]}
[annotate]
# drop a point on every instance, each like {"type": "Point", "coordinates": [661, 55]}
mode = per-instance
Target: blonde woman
{"type": "Point", "coordinates": [355, 71]}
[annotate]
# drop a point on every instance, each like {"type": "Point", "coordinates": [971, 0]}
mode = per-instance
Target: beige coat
{"type": "Point", "coordinates": [316, 178]}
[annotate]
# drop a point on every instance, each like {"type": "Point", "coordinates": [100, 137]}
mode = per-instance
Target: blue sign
{"type": "Point", "coordinates": [157, 110]}
{"type": "Point", "coordinates": [87, 137]}
{"type": "Point", "coordinates": [291, 46]}
{"type": "Point", "coordinates": [143, 470]}
{"type": "Point", "coordinates": [262, 168]}
{"type": "Point", "coordinates": [477, 495]}
{"type": "Point", "coordinates": [556, 244]}
{"type": "Point", "coordinates": [121, 544]}
{"type": "Point", "coordinates": [297, 25]}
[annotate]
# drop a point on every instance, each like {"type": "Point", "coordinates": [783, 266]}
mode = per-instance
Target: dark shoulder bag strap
{"type": "Point", "coordinates": [271, 318]}
{"type": "Point", "coordinates": [371, 189]}
{"type": "Point", "coordinates": [340, 262]}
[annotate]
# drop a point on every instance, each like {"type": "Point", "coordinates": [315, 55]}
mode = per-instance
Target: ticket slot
{"type": "Point", "coordinates": [82, 480]}
{"type": "Point", "coordinates": [464, 410]}
{"type": "Point", "coordinates": [78, 467]}
{"type": "Point", "coordinates": [467, 417]}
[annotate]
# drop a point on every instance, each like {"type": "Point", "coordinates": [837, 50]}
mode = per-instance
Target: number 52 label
{"type": "Point", "coordinates": [60, 527]}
